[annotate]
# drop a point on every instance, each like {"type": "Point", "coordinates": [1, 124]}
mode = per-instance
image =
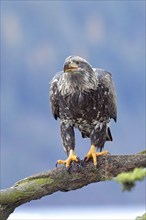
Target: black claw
{"type": "Point", "coordinates": [85, 158]}
{"type": "Point", "coordinates": [79, 161]}
{"type": "Point", "coordinates": [82, 163]}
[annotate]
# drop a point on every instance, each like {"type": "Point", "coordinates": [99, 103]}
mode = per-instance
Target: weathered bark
{"type": "Point", "coordinates": [61, 179]}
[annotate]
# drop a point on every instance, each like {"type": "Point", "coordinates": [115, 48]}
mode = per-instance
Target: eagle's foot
{"type": "Point", "coordinates": [93, 154]}
{"type": "Point", "coordinates": [72, 157]}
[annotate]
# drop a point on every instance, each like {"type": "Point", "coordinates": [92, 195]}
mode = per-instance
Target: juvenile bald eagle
{"type": "Point", "coordinates": [83, 97]}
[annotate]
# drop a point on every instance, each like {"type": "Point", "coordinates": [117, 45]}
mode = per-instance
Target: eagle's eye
{"type": "Point", "coordinates": [77, 62]}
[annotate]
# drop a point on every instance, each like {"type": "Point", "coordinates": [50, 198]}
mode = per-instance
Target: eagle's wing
{"type": "Point", "coordinates": [54, 95]}
{"type": "Point", "coordinates": [107, 86]}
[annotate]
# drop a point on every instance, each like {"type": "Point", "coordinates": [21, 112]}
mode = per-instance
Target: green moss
{"type": "Point", "coordinates": [10, 196]}
{"type": "Point", "coordinates": [38, 180]}
{"type": "Point", "coordinates": [44, 180]}
{"type": "Point", "coordinates": [128, 179]}
{"type": "Point", "coordinates": [143, 217]}
{"type": "Point", "coordinates": [142, 152]}
{"type": "Point", "coordinates": [13, 194]}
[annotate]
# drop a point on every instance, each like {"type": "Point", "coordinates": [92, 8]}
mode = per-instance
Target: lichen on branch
{"type": "Point", "coordinates": [128, 179]}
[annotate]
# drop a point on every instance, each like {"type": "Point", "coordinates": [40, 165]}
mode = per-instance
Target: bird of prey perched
{"type": "Point", "coordinates": [83, 97]}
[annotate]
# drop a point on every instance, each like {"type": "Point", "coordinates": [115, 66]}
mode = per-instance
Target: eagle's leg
{"type": "Point", "coordinates": [93, 154]}
{"type": "Point", "coordinates": [68, 139]}
{"type": "Point", "coordinates": [98, 137]}
{"type": "Point", "coordinates": [72, 157]}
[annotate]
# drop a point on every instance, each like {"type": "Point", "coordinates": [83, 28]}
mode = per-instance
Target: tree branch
{"type": "Point", "coordinates": [61, 179]}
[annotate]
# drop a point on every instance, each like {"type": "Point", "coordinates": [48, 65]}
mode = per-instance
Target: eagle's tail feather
{"type": "Point", "coordinates": [109, 135]}
{"type": "Point", "coordinates": [85, 135]}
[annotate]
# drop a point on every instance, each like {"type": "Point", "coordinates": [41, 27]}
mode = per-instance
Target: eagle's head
{"type": "Point", "coordinates": [76, 64]}
{"type": "Point", "coordinates": [78, 75]}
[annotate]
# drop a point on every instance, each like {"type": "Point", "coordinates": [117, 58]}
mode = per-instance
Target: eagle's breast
{"type": "Point", "coordinates": [80, 107]}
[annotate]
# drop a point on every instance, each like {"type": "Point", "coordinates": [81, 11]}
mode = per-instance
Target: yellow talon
{"type": "Point", "coordinates": [72, 157]}
{"type": "Point", "coordinates": [93, 154]}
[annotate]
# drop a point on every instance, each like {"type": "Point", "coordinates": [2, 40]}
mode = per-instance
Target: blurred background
{"type": "Point", "coordinates": [36, 37]}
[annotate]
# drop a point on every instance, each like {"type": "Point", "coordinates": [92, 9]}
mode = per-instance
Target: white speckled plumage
{"type": "Point", "coordinates": [83, 97]}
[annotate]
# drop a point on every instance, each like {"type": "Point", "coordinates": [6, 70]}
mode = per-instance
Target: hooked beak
{"type": "Point", "coordinates": [70, 66]}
